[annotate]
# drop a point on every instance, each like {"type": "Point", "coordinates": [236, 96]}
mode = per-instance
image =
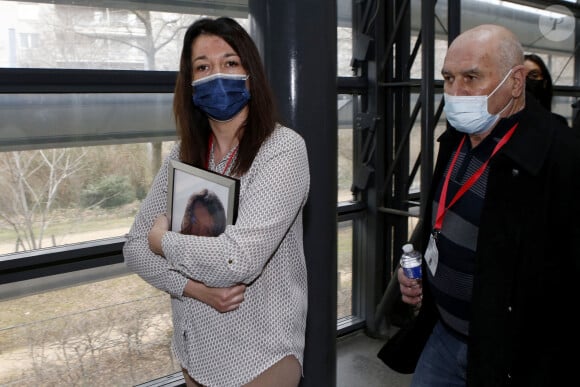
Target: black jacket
{"type": "Point", "coordinates": [523, 325]}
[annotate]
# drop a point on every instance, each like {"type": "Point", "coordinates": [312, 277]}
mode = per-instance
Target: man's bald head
{"type": "Point", "coordinates": [486, 61]}
{"type": "Point", "coordinates": [496, 41]}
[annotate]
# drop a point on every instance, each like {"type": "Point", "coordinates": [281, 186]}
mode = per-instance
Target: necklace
{"type": "Point", "coordinates": [210, 152]}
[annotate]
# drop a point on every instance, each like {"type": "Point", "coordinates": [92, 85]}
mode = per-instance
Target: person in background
{"type": "Point", "coordinates": [239, 299]}
{"type": "Point", "coordinates": [539, 83]}
{"type": "Point", "coordinates": [204, 215]}
{"type": "Point", "coordinates": [501, 233]}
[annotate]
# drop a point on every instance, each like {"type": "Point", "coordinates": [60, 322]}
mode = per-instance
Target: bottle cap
{"type": "Point", "coordinates": [407, 248]}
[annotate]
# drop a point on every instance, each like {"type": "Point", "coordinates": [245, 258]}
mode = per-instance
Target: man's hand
{"type": "Point", "coordinates": [221, 299]}
{"type": "Point", "coordinates": [411, 289]}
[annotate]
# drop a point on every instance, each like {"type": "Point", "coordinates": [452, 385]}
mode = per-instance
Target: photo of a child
{"type": "Point", "coordinates": [204, 215]}
{"type": "Point", "coordinates": [200, 202]}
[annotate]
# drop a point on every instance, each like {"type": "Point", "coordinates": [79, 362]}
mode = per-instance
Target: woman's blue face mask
{"type": "Point", "coordinates": [221, 96]}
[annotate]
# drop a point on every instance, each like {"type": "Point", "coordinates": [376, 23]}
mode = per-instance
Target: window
{"type": "Point", "coordinates": [28, 40]}
{"type": "Point", "coordinates": [112, 332]}
{"type": "Point", "coordinates": [86, 120]}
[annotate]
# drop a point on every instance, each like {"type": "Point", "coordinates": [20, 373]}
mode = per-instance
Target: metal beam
{"type": "Point", "coordinates": [300, 57]}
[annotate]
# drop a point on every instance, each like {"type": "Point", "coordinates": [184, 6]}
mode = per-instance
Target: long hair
{"type": "Point", "coordinates": [193, 127]}
{"type": "Point", "coordinates": [545, 98]}
{"type": "Point", "coordinates": [214, 207]}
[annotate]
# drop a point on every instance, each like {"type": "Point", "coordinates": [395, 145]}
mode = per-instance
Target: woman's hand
{"type": "Point", "coordinates": [411, 289]}
{"type": "Point", "coordinates": [159, 228]}
{"type": "Point", "coordinates": [221, 299]}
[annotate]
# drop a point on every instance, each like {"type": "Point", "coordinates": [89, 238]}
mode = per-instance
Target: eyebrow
{"type": "Point", "coordinates": [473, 70]}
{"type": "Point", "coordinates": [225, 56]}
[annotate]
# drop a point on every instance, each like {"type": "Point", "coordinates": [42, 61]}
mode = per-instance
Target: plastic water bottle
{"type": "Point", "coordinates": [411, 261]}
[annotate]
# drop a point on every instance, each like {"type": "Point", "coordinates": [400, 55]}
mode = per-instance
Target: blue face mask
{"type": "Point", "coordinates": [221, 96]}
{"type": "Point", "coordinates": [468, 113]}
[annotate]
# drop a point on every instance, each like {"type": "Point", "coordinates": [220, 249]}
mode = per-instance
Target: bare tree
{"type": "Point", "coordinates": [147, 33]}
{"type": "Point", "coordinates": [32, 187]}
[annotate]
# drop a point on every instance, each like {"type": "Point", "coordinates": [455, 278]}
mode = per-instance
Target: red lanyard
{"type": "Point", "coordinates": [441, 209]}
{"type": "Point", "coordinates": [209, 147]}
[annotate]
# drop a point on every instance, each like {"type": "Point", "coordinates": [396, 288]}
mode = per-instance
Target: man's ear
{"type": "Point", "coordinates": [519, 77]}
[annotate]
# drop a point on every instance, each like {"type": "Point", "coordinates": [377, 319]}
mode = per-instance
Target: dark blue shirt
{"type": "Point", "coordinates": [457, 241]}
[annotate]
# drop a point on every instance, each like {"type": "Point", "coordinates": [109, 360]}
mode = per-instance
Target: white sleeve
{"type": "Point", "coordinates": [139, 258]}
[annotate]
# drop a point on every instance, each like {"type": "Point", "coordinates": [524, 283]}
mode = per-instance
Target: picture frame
{"type": "Point", "coordinates": [200, 202]}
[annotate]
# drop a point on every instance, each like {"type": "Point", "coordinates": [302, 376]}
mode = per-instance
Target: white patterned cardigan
{"type": "Point", "coordinates": [263, 249]}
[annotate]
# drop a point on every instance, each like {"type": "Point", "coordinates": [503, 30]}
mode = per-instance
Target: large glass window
{"type": "Point", "coordinates": [61, 196]}
{"type": "Point", "coordinates": [67, 36]}
{"type": "Point", "coordinates": [345, 269]}
{"type": "Point", "coordinates": [344, 38]}
{"type": "Point", "coordinates": [74, 166]}
{"type": "Point", "coordinates": [345, 147]}
{"type": "Point", "coordinates": [108, 333]}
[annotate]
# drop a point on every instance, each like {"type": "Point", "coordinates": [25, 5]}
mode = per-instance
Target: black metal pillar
{"type": "Point", "coordinates": [402, 130]}
{"type": "Point", "coordinates": [374, 229]}
{"type": "Point", "coordinates": [427, 99]}
{"type": "Point", "coordinates": [453, 19]}
{"type": "Point", "coordinates": [298, 45]}
{"type": "Point", "coordinates": [576, 102]}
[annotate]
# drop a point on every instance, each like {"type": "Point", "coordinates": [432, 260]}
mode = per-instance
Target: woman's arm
{"type": "Point", "coordinates": [144, 256]}
{"type": "Point", "coordinates": [221, 299]}
{"type": "Point", "coordinates": [153, 268]}
{"type": "Point", "coordinates": [275, 192]}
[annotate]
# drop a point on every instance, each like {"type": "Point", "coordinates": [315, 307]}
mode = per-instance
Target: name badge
{"type": "Point", "coordinates": [432, 255]}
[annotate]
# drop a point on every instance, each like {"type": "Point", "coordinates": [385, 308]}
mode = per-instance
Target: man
{"type": "Point", "coordinates": [502, 233]}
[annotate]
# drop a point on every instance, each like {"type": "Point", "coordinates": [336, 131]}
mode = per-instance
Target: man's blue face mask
{"type": "Point", "coordinates": [221, 96]}
{"type": "Point", "coordinates": [468, 113]}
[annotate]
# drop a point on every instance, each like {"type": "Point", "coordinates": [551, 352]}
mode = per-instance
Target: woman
{"type": "Point", "coordinates": [539, 83]}
{"type": "Point", "coordinates": [538, 80]}
{"type": "Point", "coordinates": [239, 300]}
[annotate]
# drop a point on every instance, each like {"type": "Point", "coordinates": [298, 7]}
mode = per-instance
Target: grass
{"type": "Point", "coordinates": [123, 319]}
{"type": "Point", "coordinates": [66, 223]}
{"type": "Point", "coordinates": [108, 331]}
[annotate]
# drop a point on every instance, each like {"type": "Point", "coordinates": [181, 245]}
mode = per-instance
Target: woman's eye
{"type": "Point", "coordinates": [231, 63]}
{"type": "Point", "coordinates": [534, 75]}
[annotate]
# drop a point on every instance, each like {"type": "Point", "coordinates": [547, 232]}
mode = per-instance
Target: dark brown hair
{"type": "Point", "coordinates": [192, 124]}
{"type": "Point", "coordinates": [545, 94]}
{"type": "Point", "coordinates": [214, 207]}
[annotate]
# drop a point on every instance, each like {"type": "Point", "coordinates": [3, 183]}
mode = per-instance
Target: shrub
{"type": "Point", "coordinates": [112, 191]}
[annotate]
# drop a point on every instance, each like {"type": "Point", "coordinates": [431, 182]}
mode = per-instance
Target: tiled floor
{"type": "Point", "coordinates": [357, 364]}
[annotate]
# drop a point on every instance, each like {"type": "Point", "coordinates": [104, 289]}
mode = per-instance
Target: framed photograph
{"type": "Point", "coordinates": [200, 202]}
